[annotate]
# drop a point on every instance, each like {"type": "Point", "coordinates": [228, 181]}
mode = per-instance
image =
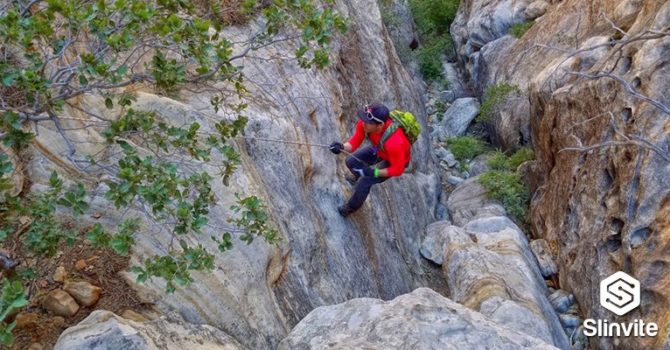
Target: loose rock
{"type": "Point", "coordinates": [561, 300]}
{"type": "Point", "coordinates": [60, 303]}
{"type": "Point", "coordinates": [85, 293]}
{"type": "Point", "coordinates": [540, 249]}
{"type": "Point", "coordinates": [60, 274]}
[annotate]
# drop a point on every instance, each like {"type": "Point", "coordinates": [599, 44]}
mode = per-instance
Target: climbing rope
{"type": "Point", "coordinates": [295, 143]}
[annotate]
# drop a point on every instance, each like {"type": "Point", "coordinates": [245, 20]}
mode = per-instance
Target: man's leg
{"type": "Point", "coordinates": [361, 192]}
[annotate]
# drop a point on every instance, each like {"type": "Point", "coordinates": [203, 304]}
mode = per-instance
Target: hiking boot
{"type": "Point", "coordinates": [351, 179]}
{"type": "Point", "coordinates": [344, 210]}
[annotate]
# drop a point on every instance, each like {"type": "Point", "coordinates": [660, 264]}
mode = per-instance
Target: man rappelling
{"type": "Point", "coordinates": [392, 135]}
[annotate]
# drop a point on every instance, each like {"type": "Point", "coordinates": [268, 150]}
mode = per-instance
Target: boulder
{"type": "Point", "coordinates": [490, 269]}
{"type": "Point", "coordinates": [434, 245]}
{"type": "Point", "coordinates": [469, 200]}
{"type": "Point", "coordinates": [536, 9]}
{"type": "Point", "coordinates": [105, 330]}
{"type": "Point", "coordinates": [422, 319]}
{"type": "Point", "coordinates": [479, 164]}
{"type": "Point", "coordinates": [458, 117]}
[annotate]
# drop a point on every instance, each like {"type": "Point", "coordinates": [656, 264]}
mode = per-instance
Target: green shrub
{"type": "Point", "coordinates": [431, 55]}
{"type": "Point", "coordinates": [466, 147]}
{"type": "Point", "coordinates": [503, 182]}
{"type": "Point", "coordinates": [521, 156]}
{"type": "Point", "coordinates": [493, 96]}
{"type": "Point", "coordinates": [433, 16]}
{"type": "Point", "coordinates": [519, 29]}
{"type": "Point", "coordinates": [508, 188]}
{"type": "Point", "coordinates": [501, 162]}
{"type": "Point", "coordinates": [440, 107]}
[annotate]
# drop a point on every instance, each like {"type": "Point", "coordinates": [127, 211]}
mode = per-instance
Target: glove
{"type": "Point", "coordinates": [365, 171]}
{"type": "Point", "coordinates": [336, 147]}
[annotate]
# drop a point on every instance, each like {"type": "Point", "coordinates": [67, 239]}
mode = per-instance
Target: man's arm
{"type": "Point", "coordinates": [356, 139]}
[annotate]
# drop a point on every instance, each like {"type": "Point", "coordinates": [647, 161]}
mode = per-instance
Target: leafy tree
{"type": "Point", "coordinates": [56, 51]}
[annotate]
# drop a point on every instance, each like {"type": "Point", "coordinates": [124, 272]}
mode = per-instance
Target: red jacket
{"type": "Point", "coordinates": [396, 148]}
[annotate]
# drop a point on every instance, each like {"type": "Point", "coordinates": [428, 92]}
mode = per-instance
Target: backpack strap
{"type": "Point", "coordinates": [387, 133]}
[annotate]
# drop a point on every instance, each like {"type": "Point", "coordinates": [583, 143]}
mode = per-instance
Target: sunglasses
{"type": "Point", "coordinates": [368, 111]}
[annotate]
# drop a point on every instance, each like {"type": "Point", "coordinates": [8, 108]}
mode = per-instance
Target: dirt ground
{"type": "Point", "coordinates": [102, 270]}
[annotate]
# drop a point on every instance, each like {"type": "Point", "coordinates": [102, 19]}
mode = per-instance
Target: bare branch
{"type": "Point", "coordinates": [631, 90]}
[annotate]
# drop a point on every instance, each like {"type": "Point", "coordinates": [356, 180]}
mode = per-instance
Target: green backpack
{"type": "Point", "coordinates": [407, 122]}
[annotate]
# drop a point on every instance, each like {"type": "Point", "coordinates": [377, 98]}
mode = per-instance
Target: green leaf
{"type": "Point", "coordinates": [108, 103]}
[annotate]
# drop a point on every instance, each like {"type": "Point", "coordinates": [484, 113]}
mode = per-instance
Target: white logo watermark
{"type": "Point", "coordinates": [620, 294]}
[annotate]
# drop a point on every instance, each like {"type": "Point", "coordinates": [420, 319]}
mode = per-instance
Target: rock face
{"type": "Point", "coordinates": [422, 319]}
{"type": "Point", "coordinates": [105, 330]}
{"type": "Point", "coordinates": [606, 209]}
{"type": "Point", "coordinates": [490, 268]}
{"type": "Point", "coordinates": [259, 292]}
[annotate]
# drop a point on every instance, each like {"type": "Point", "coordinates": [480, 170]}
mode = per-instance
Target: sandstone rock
{"type": "Point", "coordinates": [614, 204]}
{"type": "Point", "coordinates": [422, 319]}
{"type": "Point", "coordinates": [469, 201]}
{"type": "Point", "coordinates": [85, 293]}
{"type": "Point", "coordinates": [491, 269]}
{"type": "Point", "coordinates": [540, 249]}
{"type": "Point", "coordinates": [458, 117]}
{"type": "Point", "coordinates": [60, 274]}
{"type": "Point", "coordinates": [104, 328]}
{"type": "Point", "coordinates": [26, 320]}
{"type": "Point", "coordinates": [511, 123]}
{"type": "Point", "coordinates": [60, 303]}
{"type": "Point", "coordinates": [434, 245]}
{"type": "Point", "coordinates": [133, 316]}
{"type": "Point", "coordinates": [536, 9]}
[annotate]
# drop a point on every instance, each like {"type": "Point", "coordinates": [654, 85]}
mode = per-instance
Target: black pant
{"type": "Point", "coordinates": [366, 156]}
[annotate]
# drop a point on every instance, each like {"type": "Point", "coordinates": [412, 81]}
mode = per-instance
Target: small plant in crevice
{"type": "Point", "coordinates": [465, 148]}
{"type": "Point", "coordinates": [494, 95]}
{"type": "Point", "coordinates": [500, 161]}
{"type": "Point", "coordinates": [440, 107]}
{"type": "Point", "coordinates": [517, 30]}
{"type": "Point", "coordinates": [504, 183]}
